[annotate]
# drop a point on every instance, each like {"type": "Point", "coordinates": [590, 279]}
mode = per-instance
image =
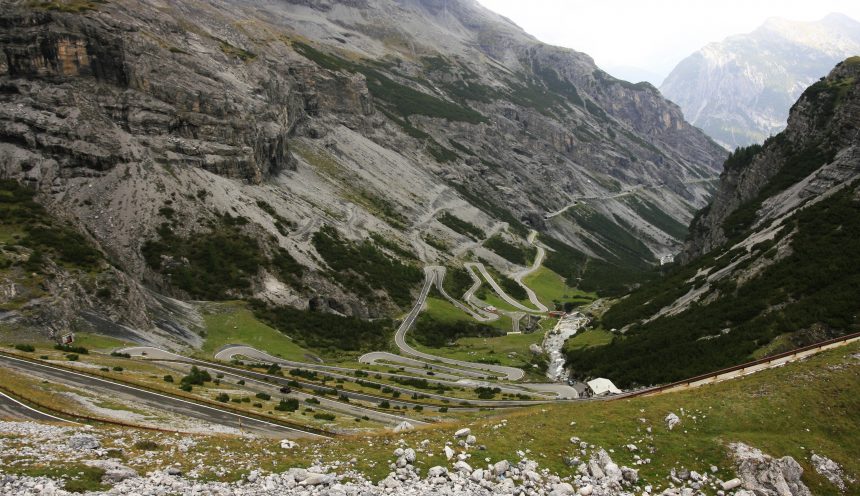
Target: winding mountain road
{"type": "Point", "coordinates": [511, 373]}
{"type": "Point", "coordinates": [518, 277]}
{"type": "Point", "coordinates": [159, 401]}
{"type": "Point", "coordinates": [470, 266]}
{"type": "Point", "coordinates": [268, 379]}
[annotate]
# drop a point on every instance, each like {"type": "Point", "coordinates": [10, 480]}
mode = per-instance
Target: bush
{"type": "Point", "coordinates": [196, 377]}
{"type": "Point", "coordinates": [241, 382]}
{"type": "Point", "coordinates": [223, 397]}
{"type": "Point", "coordinates": [324, 416]}
{"type": "Point", "coordinates": [264, 396]}
{"type": "Point", "coordinates": [384, 404]}
{"type": "Point", "coordinates": [312, 401]}
{"type": "Point", "coordinates": [29, 348]}
{"type": "Point", "coordinates": [120, 355]}
{"type": "Point", "coordinates": [72, 357]}
{"type": "Point", "coordinates": [117, 369]}
{"type": "Point", "coordinates": [80, 350]}
{"type": "Point", "coordinates": [168, 378]}
{"type": "Point", "coordinates": [186, 387]}
{"type": "Point", "coordinates": [443, 409]}
{"type": "Point", "coordinates": [288, 405]}
{"type": "Point", "coordinates": [146, 445]}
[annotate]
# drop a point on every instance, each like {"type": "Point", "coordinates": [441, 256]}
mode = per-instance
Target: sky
{"type": "Point", "coordinates": [647, 38]}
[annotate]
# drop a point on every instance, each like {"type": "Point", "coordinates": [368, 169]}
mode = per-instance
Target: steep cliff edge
{"type": "Point", "coordinates": [771, 263]}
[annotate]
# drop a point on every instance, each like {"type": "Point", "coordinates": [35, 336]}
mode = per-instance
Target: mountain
{"type": "Point", "coordinates": [771, 263]}
{"type": "Point", "coordinates": [739, 90]}
{"type": "Point", "coordinates": [313, 155]}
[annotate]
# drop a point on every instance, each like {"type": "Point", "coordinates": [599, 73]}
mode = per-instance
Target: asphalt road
{"type": "Point", "coordinates": [359, 411]}
{"type": "Point", "coordinates": [12, 409]}
{"type": "Point", "coordinates": [518, 277]}
{"type": "Point", "coordinates": [477, 315]}
{"type": "Point", "coordinates": [498, 289]}
{"type": "Point", "coordinates": [157, 400]}
{"type": "Point", "coordinates": [511, 373]}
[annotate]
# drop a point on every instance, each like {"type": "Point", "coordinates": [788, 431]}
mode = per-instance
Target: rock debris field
{"type": "Point", "coordinates": [467, 471]}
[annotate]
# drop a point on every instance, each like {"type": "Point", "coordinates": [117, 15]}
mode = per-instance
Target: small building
{"type": "Point", "coordinates": [602, 387]}
{"type": "Point", "coordinates": [667, 259]}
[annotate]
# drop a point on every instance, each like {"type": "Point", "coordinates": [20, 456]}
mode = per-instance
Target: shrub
{"type": "Point", "coordinates": [384, 404]}
{"type": "Point", "coordinates": [80, 350]}
{"type": "Point", "coordinates": [146, 445]}
{"type": "Point", "coordinates": [168, 378]}
{"type": "Point", "coordinates": [72, 357]}
{"type": "Point", "coordinates": [288, 405]}
{"type": "Point", "coordinates": [25, 347]}
{"type": "Point", "coordinates": [312, 401]}
{"type": "Point", "coordinates": [324, 416]}
{"type": "Point", "coordinates": [223, 397]}
{"type": "Point", "coordinates": [120, 355]}
{"type": "Point", "coordinates": [117, 369]}
{"type": "Point", "coordinates": [196, 377]}
{"type": "Point", "coordinates": [264, 396]}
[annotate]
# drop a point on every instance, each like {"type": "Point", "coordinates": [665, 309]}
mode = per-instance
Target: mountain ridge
{"type": "Point", "coordinates": [739, 90]}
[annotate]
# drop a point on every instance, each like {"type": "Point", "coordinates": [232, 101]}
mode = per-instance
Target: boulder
{"type": "Point", "coordinates": [437, 471]}
{"type": "Point", "coordinates": [470, 439]}
{"type": "Point", "coordinates": [586, 490]}
{"type": "Point", "coordinates": [449, 453]}
{"type": "Point", "coordinates": [317, 479]}
{"type": "Point", "coordinates": [630, 475]}
{"type": "Point", "coordinates": [115, 472]}
{"type": "Point", "coordinates": [731, 484]}
{"type": "Point", "coordinates": [672, 420]}
{"type": "Point", "coordinates": [501, 467]}
{"type": "Point", "coordinates": [409, 455]}
{"type": "Point", "coordinates": [463, 467]}
{"type": "Point", "coordinates": [463, 432]}
{"type": "Point", "coordinates": [767, 476]}
{"type": "Point", "coordinates": [831, 470]}
{"type": "Point", "coordinates": [404, 427]}
{"type": "Point", "coordinates": [83, 442]}
{"type": "Point", "coordinates": [287, 444]}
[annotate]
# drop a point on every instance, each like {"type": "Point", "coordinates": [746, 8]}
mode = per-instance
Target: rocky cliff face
{"type": "Point", "coordinates": [814, 154]}
{"type": "Point", "coordinates": [163, 129]}
{"type": "Point", "coordinates": [739, 90]}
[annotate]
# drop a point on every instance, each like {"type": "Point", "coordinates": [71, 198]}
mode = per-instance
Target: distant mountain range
{"type": "Point", "coordinates": [739, 90]}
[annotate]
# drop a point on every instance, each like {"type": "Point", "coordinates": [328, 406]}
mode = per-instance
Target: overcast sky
{"type": "Point", "coordinates": [652, 35]}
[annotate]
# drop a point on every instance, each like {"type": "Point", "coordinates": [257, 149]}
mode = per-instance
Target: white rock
{"type": "Point", "coordinates": [287, 444]}
{"type": "Point", "coordinates": [449, 453]}
{"type": "Point", "coordinates": [731, 484]}
{"type": "Point", "coordinates": [501, 467]}
{"type": "Point", "coordinates": [404, 426]}
{"type": "Point", "coordinates": [463, 432]}
{"type": "Point", "coordinates": [586, 490]}
{"type": "Point", "coordinates": [672, 420]}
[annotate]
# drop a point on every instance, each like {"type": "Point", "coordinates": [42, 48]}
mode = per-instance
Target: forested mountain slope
{"type": "Point", "coordinates": [771, 263]}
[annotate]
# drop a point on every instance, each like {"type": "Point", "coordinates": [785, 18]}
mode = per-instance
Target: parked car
{"type": "Point", "coordinates": [286, 389]}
